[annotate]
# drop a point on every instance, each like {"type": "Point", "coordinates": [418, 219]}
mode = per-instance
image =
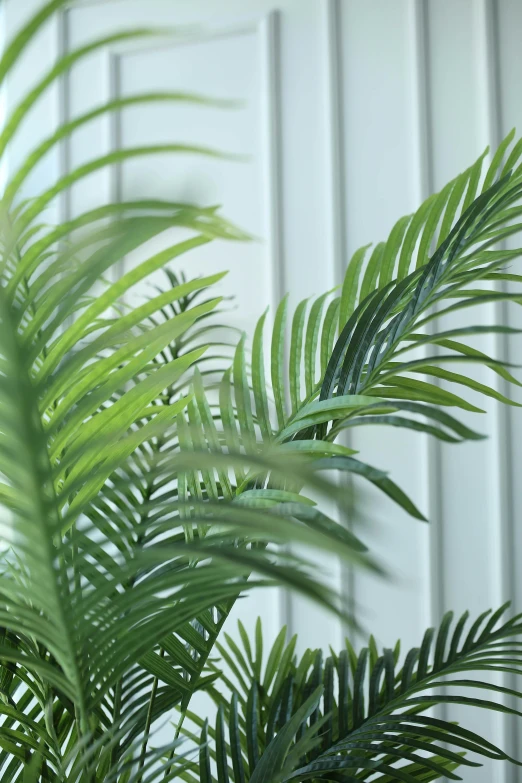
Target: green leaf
{"type": "Point", "coordinates": [204, 757]}
{"type": "Point", "coordinates": [278, 349]}
{"type": "Point", "coordinates": [251, 729]}
{"type": "Point", "coordinates": [420, 391]}
{"type": "Point", "coordinates": [311, 342]}
{"type": "Point", "coordinates": [446, 375]}
{"type": "Point", "coordinates": [235, 743]}
{"type": "Point", "coordinates": [272, 761]}
{"type": "Point", "coordinates": [242, 395]}
{"type": "Point", "coordinates": [221, 750]}
{"type": "Point", "coordinates": [268, 497]}
{"type": "Point", "coordinates": [391, 250]}
{"type": "Point", "coordinates": [314, 448]}
{"type": "Point", "coordinates": [258, 380]}
{"type": "Point", "coordinates": [412, 235]}
{"type": "Point", "coordinates": [274, 659]}
{"type": "Point", "coordinates": [376, 477]}
{"type": "Point", "coordinates": [328, 333]}
{"type": "Point", "coordinates": [369, 281]}
{"type": "Point", "coordinates": [497, 160]}
{"type": "Point", "coordinates": [296, 353]}
{"type": "Point", "coordinates": [350, 287]}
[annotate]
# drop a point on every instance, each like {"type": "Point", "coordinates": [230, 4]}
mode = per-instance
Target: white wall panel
{"type": "Point", "coordinates": [470, 513]}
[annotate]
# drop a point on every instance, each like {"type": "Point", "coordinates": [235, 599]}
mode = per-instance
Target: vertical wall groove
{"type": "Point", "coordinates": [271, 111]}
{"type": "Point", "coordinates": [491, 107]}
{"type": "Point", "coordinates": [501, 490]}
{"type": "Point", "coordinates": [335, 141]}
{"type": "Point", "coordinates": [494, 126]}
{"type": "Point", "coordinates": [336, 203]}
{"type": "Point", "coordinates": [273, 189]}
{"type": "Point", "coordinates": [63, 112]}
{"type": "Point", "coordinates": [115, 137]}
{"type": "Point", "coordinates": [436, 599]}
{"type": "Point", "coordinates": [425, 185]}
{"type": "Point", "coordinates": [3, 98]}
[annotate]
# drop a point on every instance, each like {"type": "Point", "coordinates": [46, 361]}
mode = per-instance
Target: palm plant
{"type": "Point", "coordinates": [107, 575]}
{"type": "Point", "coordinates": [137, 507]}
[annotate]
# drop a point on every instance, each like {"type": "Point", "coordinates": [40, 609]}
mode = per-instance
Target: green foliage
{"type": "Point", "coordinates": [354, 359]}
{"type": "Point", "coordinates": [352, 716]}
{"type": "Point", "coordinates": [367, 356]}
{"type": "Point", "coordinates": [109, 606]}
{"type": "Point", "coordinates": [150, 468]}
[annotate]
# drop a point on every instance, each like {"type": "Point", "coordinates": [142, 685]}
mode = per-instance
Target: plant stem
{"type": "Point", "coordinates": [176, 736]}
{"type": "Point", "coordinates": [148, 722]}
{"type": "Point", "coordinates": [116, 717]}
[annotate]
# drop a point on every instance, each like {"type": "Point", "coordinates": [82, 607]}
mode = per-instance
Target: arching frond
{"type": "Point", "coordinates": [352, 716]}
{"type": "Point", "coordinates": [354, 358]}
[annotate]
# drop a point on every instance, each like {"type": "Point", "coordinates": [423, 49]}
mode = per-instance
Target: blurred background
{"type": "Point", "coordinates": [351, 113]}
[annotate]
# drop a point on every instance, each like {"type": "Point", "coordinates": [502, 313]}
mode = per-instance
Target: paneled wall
{"type": "Point", "coordinates": [353, 112]}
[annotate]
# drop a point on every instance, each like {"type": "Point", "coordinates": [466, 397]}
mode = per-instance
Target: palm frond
{"type": "Point", "coordinates": [352, 716]}
{"type": "Point", "coordinates": [354, 357]}
{"type": "Point", "coordinates": [461, 223]}
{"type": "Point", "coordinates": [346, 365]}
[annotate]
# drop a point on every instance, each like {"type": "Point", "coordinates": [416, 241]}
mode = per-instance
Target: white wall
{"type": "Point", "coordinates": [355, 110]}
